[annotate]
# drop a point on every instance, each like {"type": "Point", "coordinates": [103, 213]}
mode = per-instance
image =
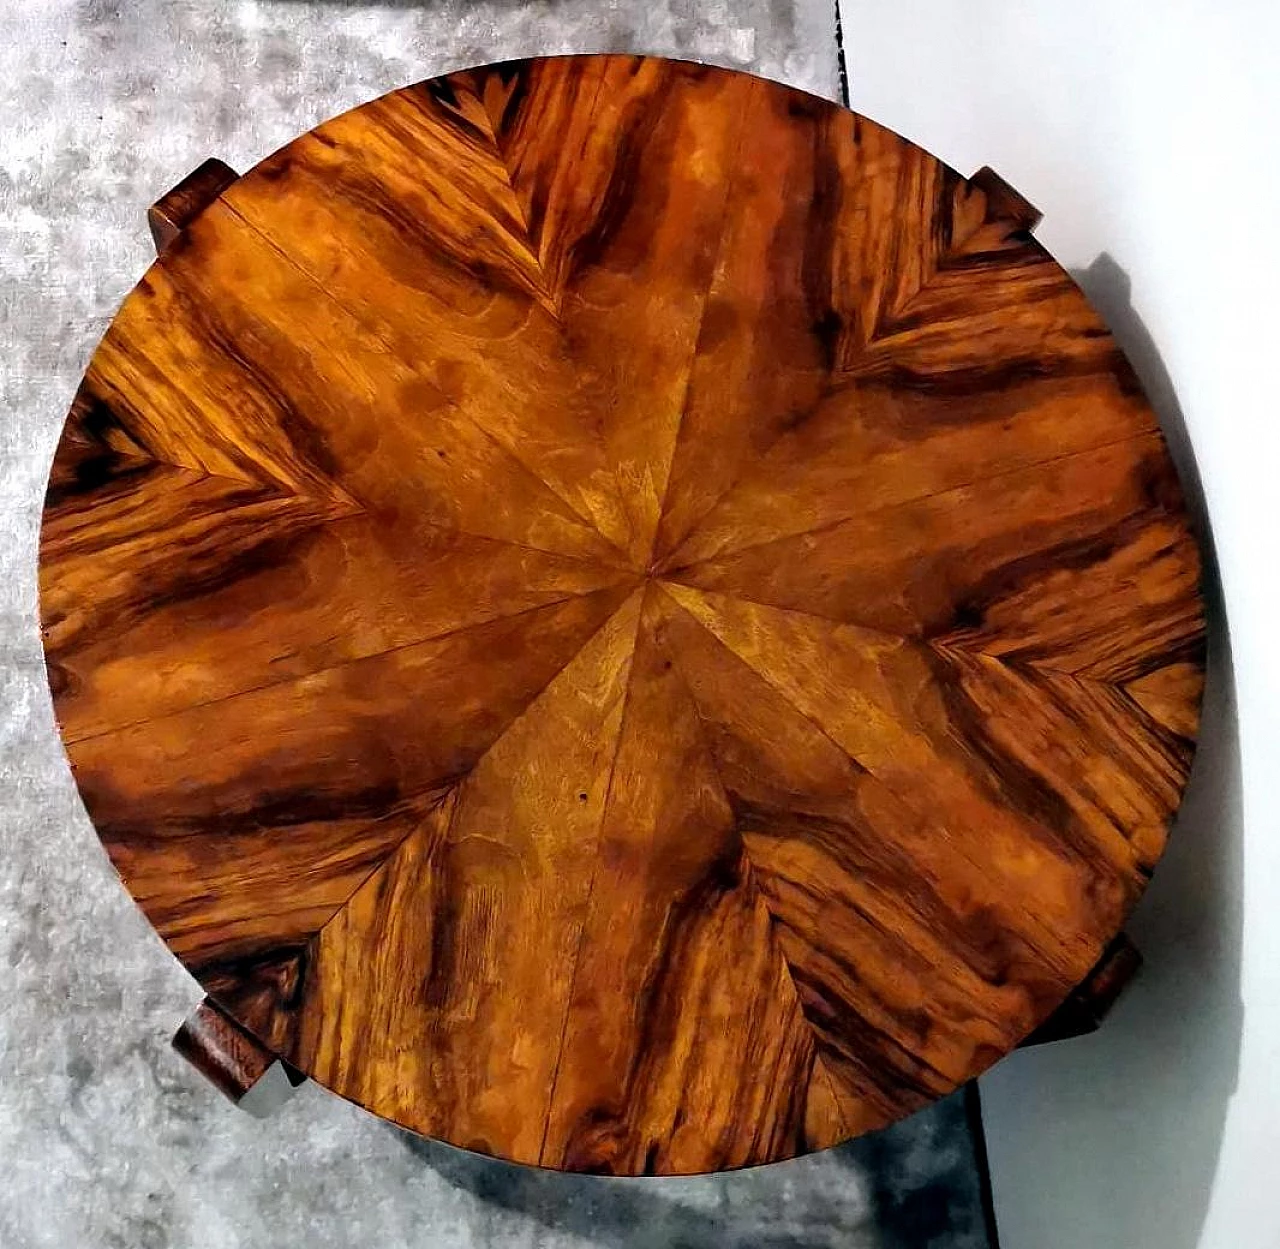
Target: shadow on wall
{"type": "Point", "coordinates": [1119, 1133]}
{"type": "Point", "coordinates": [915, 1185]}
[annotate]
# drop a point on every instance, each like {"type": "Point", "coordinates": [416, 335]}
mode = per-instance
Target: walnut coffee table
{"type": "Point", "coordinates": [619, 615]}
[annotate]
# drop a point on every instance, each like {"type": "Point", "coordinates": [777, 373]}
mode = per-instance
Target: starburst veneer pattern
{"type": "Point", "coordinates": [621, 615]}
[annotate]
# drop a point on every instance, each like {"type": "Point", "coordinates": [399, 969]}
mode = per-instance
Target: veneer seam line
{"type": "Point", "coordinates": [726, 208]}
{"type": "Point", "coordinates": [452, 794]}
{"type": "Point", "coordinates": [311, 946]}
{"type": "Point", "coordinates": [885, 509]}
{"type": "Point", "coordinates": [462, 412]}
{"type": "Point", "coordinates": [550, 293]}
{"type": "Point", "coordinates": [344, 505]}
{"type": "Point", "coordinates": [757, 894]}
{"type": "Point", "coordinates": [449, 796]}
{"type": "Point", "coordinates": [557, 296]}
{"type": "Point", "coordinates": [346, 663]}
{"type": "Point", "coordinates": [782, 693]}
{"type": "Point", "coordinates": [591, 888]}
{"type": "Point", "coordinates": [933, 644]}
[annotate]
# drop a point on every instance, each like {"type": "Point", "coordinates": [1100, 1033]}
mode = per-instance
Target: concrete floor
{"type": "Point", "coordinates": [106, 1139]}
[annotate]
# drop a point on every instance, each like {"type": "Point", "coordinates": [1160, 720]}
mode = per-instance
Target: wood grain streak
{"type": "Point", "coordinates": [1079, 564]}
{"type": "Point", "coordinates": [463, 942]}
{"type": "Point", "coordinates": [675, 1060]}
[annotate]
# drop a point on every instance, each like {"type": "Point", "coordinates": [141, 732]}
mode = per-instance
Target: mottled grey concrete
{"type": "Point", "coordinates": [105, 1138]}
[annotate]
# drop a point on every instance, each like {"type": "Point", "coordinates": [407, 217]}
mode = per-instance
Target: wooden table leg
{"type": "Point", "coordinates": [1090, 1003]}
{"type": "Point", "coordinates": [178, 208]}
{"type": "Point", "coordinates": [235, 1062]}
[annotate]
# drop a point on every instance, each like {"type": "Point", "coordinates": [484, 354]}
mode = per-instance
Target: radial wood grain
{"type": "Point", "coordinates": [463, 942]}
{"type": "Point", "coordinates": [622, 616]}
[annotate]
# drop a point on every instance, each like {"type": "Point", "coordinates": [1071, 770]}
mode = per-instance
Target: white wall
{"type": "Point", "coordinates": [1149, 130]}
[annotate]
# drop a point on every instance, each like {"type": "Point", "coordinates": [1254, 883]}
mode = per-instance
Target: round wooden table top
{"type": "Point", "coordinates": [621, 615]}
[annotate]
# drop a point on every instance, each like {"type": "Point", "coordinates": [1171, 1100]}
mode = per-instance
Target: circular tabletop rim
{"type": "Point", "coordinates": [119, 457]}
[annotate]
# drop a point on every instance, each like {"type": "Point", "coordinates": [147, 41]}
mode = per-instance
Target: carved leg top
{"type": "Point", "coordinates": [178, 208]}
{"type": "Point", "coordinates": [235, 1062]}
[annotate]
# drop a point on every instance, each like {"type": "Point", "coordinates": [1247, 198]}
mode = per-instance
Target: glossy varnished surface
{"type": "Point", "coordinates": [622, 616]}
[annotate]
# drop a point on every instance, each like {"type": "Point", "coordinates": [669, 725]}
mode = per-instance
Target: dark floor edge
{"type": "Point", "coordinates": [973, 1111]}
{"type": "Point", "coordinates": [842, 68]}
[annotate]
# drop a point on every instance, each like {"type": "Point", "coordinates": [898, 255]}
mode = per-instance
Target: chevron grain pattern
{"type": "Point", "coordinates": [621, 615]}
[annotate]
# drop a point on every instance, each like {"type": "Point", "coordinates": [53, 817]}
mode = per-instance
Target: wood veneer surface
{"type": "Point", "coordinates": [621, 615]}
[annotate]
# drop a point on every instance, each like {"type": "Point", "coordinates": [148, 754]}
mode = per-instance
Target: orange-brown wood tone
{"type": "Point", "coordinates": [621, 615]}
